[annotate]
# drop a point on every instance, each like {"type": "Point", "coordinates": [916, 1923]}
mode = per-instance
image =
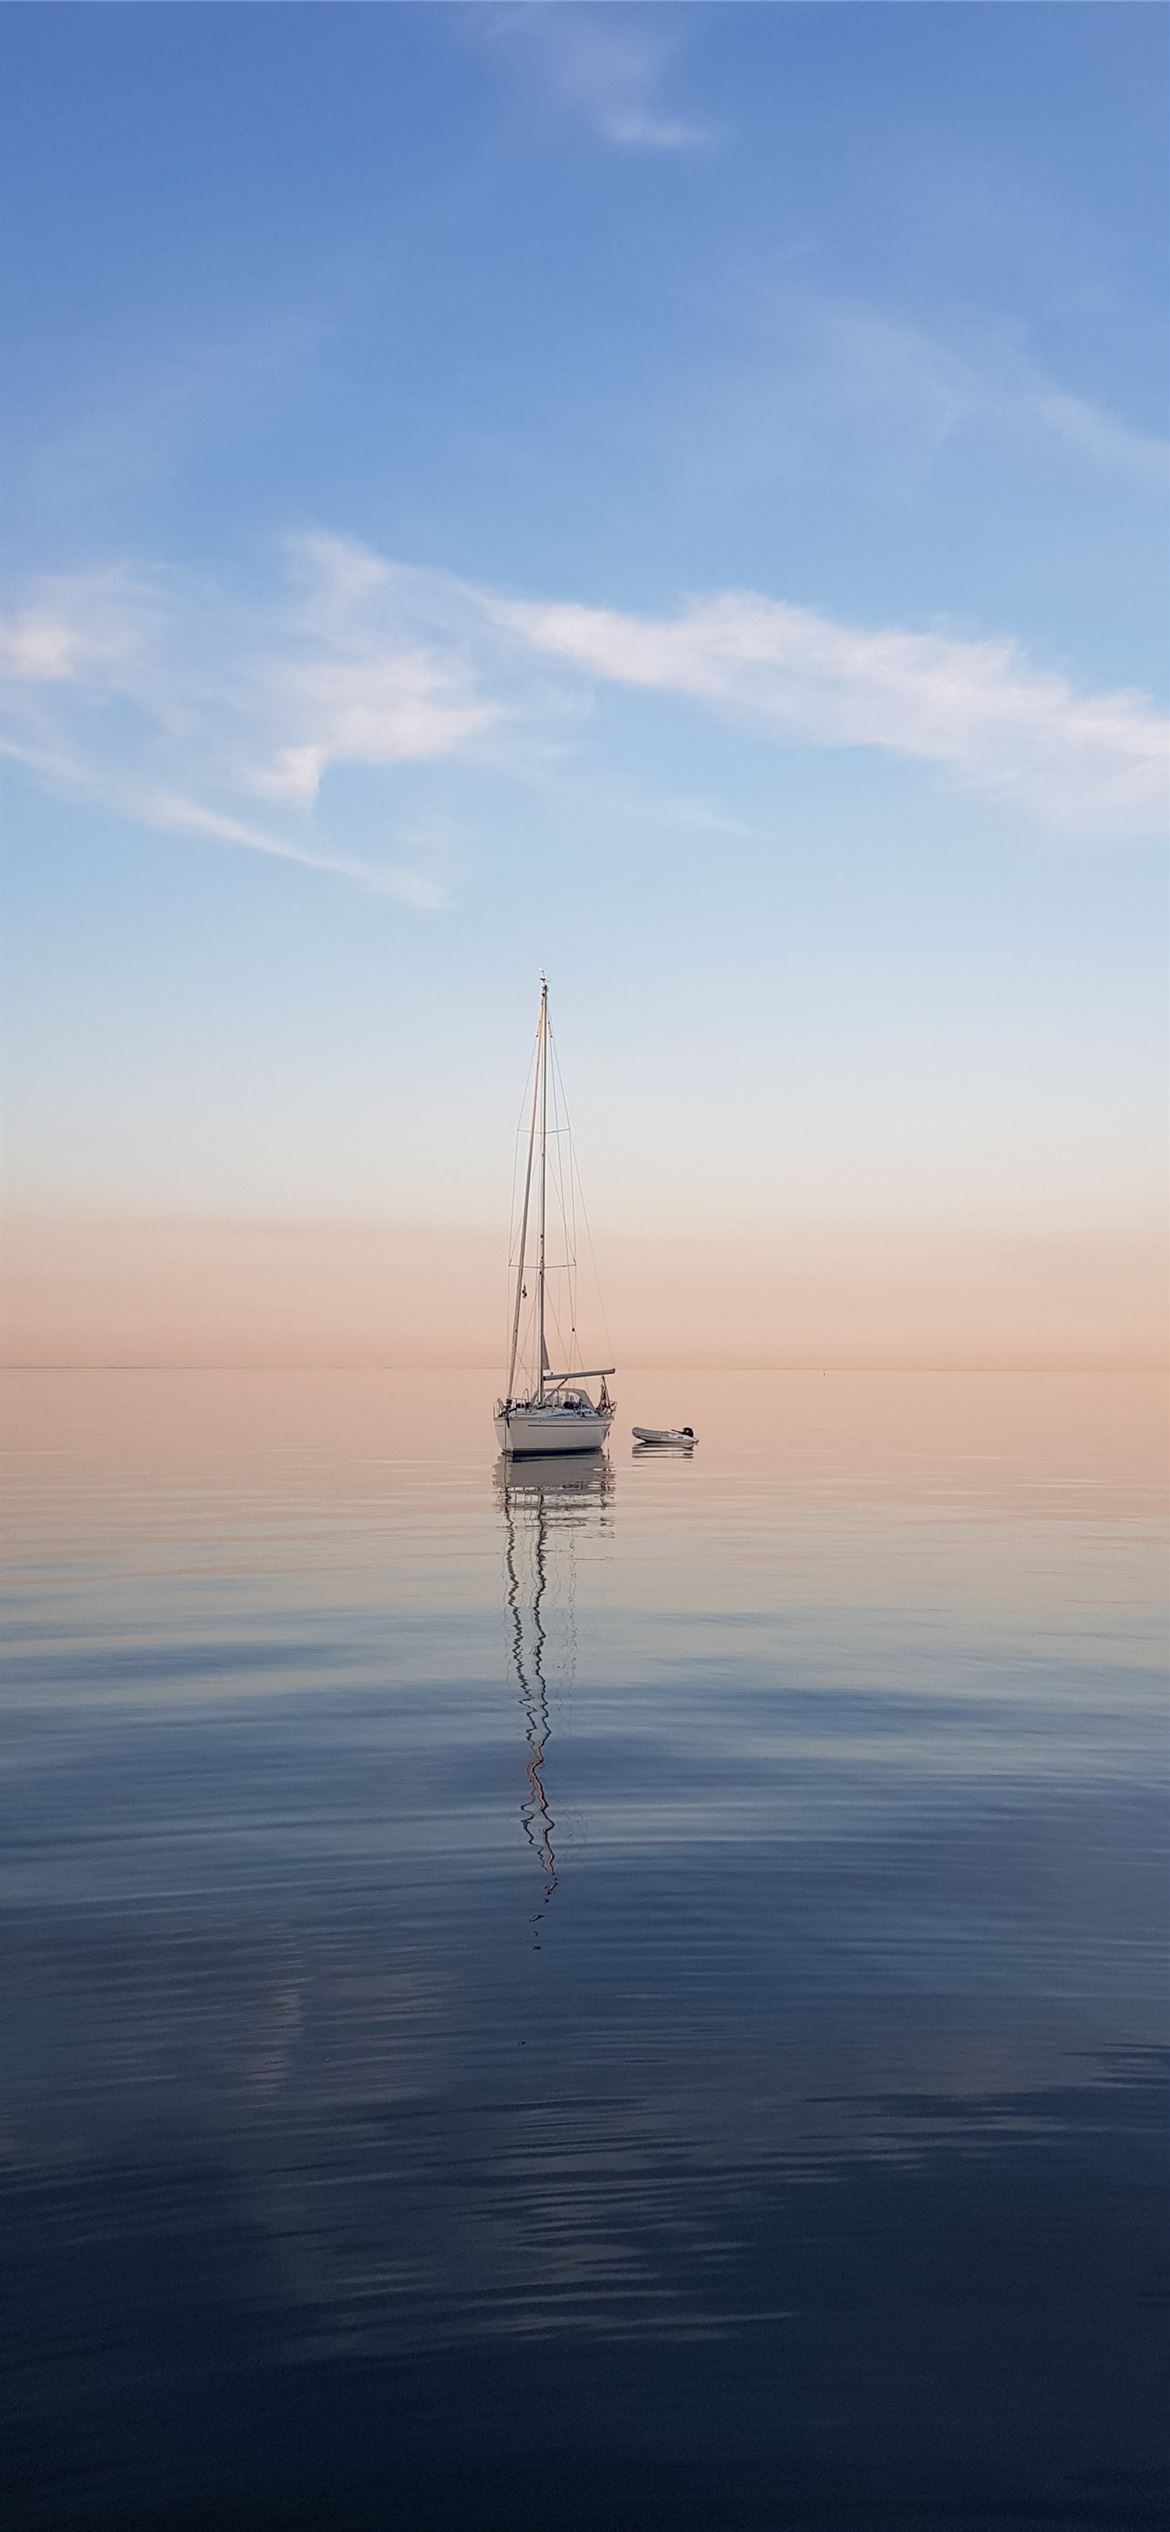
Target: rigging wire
{"type": "Point", "coordinates": [566, 1209]}
{"type": "Point", "coordinates": [524, 1347]}
{"type": "Point", "coordinates": [578, 1197]}
{"type": "Point", "coordinates": [569, 1198]}
{"type": "Point", "coordinates": [569, 1263]}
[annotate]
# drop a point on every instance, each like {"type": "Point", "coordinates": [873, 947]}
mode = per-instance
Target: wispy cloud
{"type": "Point", "coordinates": [181, 706]}
{"type": "Point", "coordinates": [979, 709]}
{"type": "Point", "coordinates": [989, 383]}
{"type": "Point", "coordinates": [610, 73]}
{"type": "Point", "coordinates": [175, 815]}
{"type": "Point", "coordinates": [84, 628]}
{"type": "Point", "coordinates": [827, 375]}
{"type": "Point", "coordinates": [1096, 435]}
{"type": "Point", "coordinates": [185, 706]}
{"type": "Point", "coordinates": [148, 401]}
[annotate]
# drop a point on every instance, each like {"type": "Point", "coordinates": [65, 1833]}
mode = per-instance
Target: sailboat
{"type": "Point", "coordinates": [550, 1411]}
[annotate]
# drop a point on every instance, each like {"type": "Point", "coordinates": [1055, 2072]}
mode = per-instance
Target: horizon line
{"type": "Point", "coordinates": [1147, 1367]}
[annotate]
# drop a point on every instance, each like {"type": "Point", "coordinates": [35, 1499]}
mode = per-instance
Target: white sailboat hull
{"type": "Point", "coordinates": [545, 1432]}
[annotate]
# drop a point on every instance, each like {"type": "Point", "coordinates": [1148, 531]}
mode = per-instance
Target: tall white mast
{"type": "Point", "coordinates": [543, 1355]}
{"type": "Point", "coordinates": [527, 1196]}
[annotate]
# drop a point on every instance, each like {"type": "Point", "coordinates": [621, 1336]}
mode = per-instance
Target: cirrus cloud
{"type": "Point", "coordinates": [183, 705]}
{"type": "Point", "coordinates": [977, 708]}
{"type": "Point", "coordinates": [609, 73]}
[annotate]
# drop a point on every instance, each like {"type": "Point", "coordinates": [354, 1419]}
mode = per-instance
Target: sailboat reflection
{"type": "Point", "coordinates": [546, 1503]}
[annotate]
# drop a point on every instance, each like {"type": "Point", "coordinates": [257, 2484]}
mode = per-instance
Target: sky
{"type": "Point", "coordinates": [675, 497]}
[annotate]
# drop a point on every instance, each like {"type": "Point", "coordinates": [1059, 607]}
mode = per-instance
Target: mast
{"type": "Point", "coordinates": [543, 1354]}
{"type": "Point", "coordinates": [524, 1216]}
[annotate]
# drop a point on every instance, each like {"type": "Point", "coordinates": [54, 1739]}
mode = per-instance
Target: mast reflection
{"type": "Point", "coordinates": [545, 1503]}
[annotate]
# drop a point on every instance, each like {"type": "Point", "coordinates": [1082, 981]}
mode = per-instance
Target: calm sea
{"type": "Point", "coordinates": [627, 2000]}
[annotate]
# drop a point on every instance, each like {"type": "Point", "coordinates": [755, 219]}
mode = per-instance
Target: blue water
{"type": "Point", "coordinates": [630, 2000]}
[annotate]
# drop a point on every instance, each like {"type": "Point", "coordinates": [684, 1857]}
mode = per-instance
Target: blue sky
{"type": "Point", "coordinates": [676, 496]}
